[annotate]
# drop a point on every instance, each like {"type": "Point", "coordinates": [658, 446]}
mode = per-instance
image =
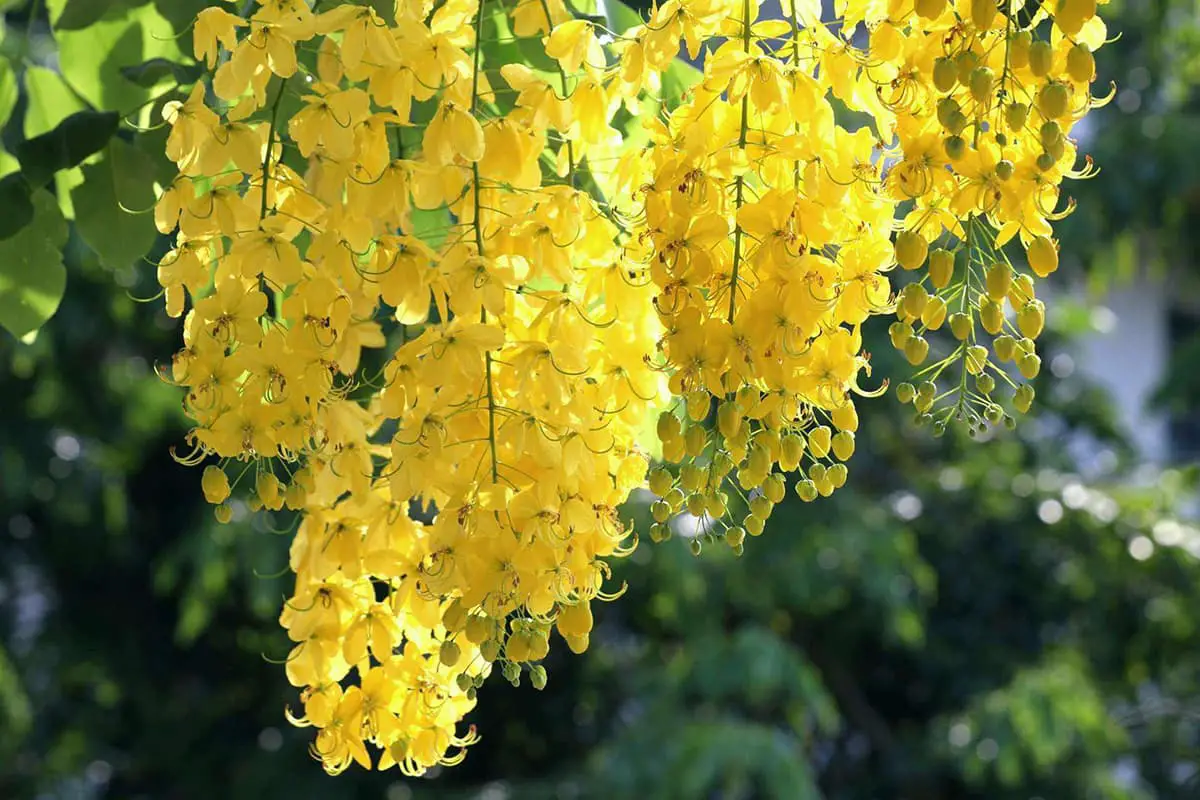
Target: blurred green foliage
{"type": "Point", "coordinates": [963, 620]}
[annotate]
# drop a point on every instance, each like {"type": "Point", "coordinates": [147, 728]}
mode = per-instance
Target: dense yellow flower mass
{"type": "Point", "coordinates": [547, 258]}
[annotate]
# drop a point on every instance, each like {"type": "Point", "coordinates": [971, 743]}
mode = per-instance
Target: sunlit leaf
{"type": "Point", "coordinates": [156, 70]}
{"type": "Point", "coordinates": [32, 275]}
{"type": "Point", "coordinates": [92, 58]}
{"type": "Point", "coordinates": [76, 137]}
{"type": "Point", "coordinates": [111, 190]}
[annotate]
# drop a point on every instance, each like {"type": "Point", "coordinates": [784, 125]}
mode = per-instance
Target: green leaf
{"type": "Point", "coordinates": [156, 70]}
{"type": "Point", "coordinates": [111, 190]}
{"type": "Point", "coordinates": [76, 137]}
{"type": "Point", "coordinates": [180, 13]}
{"type": "Point", "coordinates": [15, 199]}
{"type": "Point", "coordinates": [16, 712]}
{"type": "Point", "coordinates": [8, 90]}
{"type": "Point", "coordinates": [92, 58]}
{"type": "Point", "coordinates": [50, 101]}
{"type": "Point", "coordinates": [78, 14]}
{"type": "Point", "coordinates": [32, 275]}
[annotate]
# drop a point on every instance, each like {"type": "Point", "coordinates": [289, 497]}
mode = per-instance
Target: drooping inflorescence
{"type": "Point", "coordinates": [442, 263]}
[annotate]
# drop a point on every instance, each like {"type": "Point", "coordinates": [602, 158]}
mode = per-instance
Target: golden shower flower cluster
{"type": "Point", "coordinates": [769, 226]}
{"type": "Point", "coordinates": [432, 295]}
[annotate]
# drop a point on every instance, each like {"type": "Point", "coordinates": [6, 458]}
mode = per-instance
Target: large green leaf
{"type": "Point", "coordinates": [156, 70]}
{"type": "Point", "coordinates": [180, 13]}
{"type": "Point", "coordinates": [8, 90]}
{"type": "Point", "coordinates": [8, 101]}
{"type": "Point", "coordinates": [113, 188]}
{"type": "Point", "coordinates": [50, 101]}
{"type": "Point", "coordinates": [15, 199]}
{"type": "Point", "coordinates": [78, 14]}
{"type": "Point", "coordinates": [92, 58]}
{"type": "Point", "coordinates": [32, 275]}
{"type": "Point", "coordinates": [76, 137]}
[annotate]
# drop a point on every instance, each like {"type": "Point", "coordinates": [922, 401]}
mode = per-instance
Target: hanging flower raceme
{"type": "Point", "coordinates": [432, 296]}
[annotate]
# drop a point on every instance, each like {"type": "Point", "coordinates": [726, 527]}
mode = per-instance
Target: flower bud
{"type": "Point", "coordinates": [215, 485]}
{"type": "Point", "coordinates": [915, 350]}
{"type": "Point", "coordinates": [911, 249]}
{"type": "Point", "coordinates": [1032, 318]}
{"type": "Point", "coordinates": [941, 268]}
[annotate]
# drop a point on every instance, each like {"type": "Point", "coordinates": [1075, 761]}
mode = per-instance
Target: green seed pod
{"type": "Point", "coordinates": [1004, 168]}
